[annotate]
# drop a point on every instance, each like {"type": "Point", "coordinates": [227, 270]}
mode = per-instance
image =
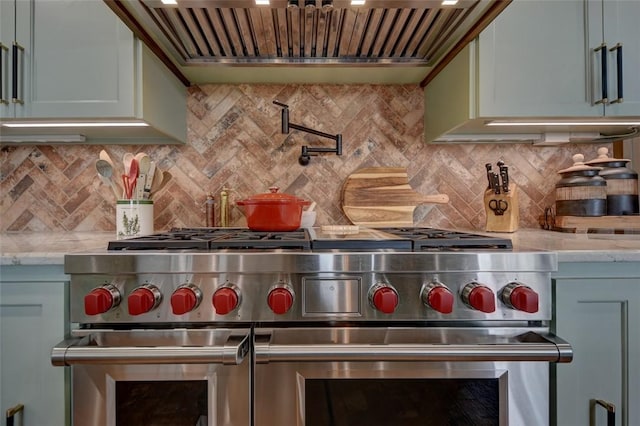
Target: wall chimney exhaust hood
{"type": "Point", "coordinates": [234, 41]}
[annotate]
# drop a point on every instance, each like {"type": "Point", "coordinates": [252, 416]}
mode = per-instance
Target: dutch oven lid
{"type": "Point", "coordinates": [273, 197]}
{"type": "Point", "coordinates": [579, 165]}
{"type": "Point", "coordinates": [603, 157]}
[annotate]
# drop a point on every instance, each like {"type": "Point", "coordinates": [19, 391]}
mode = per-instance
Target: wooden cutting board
{"type": "Point", "coordinates": [378, 197]}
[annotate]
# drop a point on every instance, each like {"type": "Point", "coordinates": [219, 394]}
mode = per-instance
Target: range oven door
{"type": "Point", "coordinates": [404, 376]}
{"type": "Point", "coordinates": [156, 377]}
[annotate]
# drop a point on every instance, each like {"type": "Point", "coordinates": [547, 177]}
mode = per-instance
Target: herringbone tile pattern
{"type": "Point", "coordinates": [235, 141]}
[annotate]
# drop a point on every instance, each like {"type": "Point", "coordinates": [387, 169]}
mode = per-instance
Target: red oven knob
{"type": "Point", "coordinates": [101, 300]}
{"type": "Point", "coordinates": [185, 299]}
{"type": "Point", "coordinates": [384, 298]}
{"type": "Point", "coordinates": [520, 297]}
{"type": "Point", "coordinates": [143, 299]}
{"type": "Point", "coordinates": [226, 299]}
{"type": "Point", "coordinates": [438, 297]}
{"type": "Point", "coordinates": [479, 297]}
{"type": "Point", "coordinates": [280, 300]}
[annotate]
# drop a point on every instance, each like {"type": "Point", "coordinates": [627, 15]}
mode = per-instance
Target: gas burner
{"type": "Point", "coordinates": [215, 238]}
{"type": "Point", "coordinates": [429, 239]}
{"type": "Point", "coordinates": [387, 239]}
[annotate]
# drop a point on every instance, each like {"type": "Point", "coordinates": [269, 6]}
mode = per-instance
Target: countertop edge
{"type": "Point", "coordinates": [50, 248]}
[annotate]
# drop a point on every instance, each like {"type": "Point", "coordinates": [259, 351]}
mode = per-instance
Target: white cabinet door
{"type": "Point", "coordinates": [32, 321]}
{"type": "Point", "coordinates": [83, 61]}
{"type": "Point", "coordinates": [600, 317]}
{"type": "Point", "coordinates": [532, 62]}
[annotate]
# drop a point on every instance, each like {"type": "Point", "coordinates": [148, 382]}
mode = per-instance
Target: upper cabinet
{"type": "Point", "coordinates": [75, 60]}
{"type": "Point", "coordinates": [541, 59]}
{"type": "Point", "coordinates": [613, 28]}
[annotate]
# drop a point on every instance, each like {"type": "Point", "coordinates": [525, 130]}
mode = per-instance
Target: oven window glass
{"type": "Point", "coordinates": [406, 402]}
{"type": "Point", "coordinates": [159, 403]}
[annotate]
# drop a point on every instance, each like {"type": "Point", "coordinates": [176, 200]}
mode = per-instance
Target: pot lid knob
{"type": "Point", "coordinates": [274, 189]}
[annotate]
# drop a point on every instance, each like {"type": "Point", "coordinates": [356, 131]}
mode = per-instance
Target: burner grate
{"type": "Point", "coordinates": [429, 239]}
{"type": "Point", "coordinates": [215, 238]}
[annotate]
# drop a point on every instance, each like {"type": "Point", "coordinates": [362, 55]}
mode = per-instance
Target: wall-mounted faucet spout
{"type": "Point", "coordinates": [307, 152]}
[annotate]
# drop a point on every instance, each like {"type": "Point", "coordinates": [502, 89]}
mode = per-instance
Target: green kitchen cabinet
{"type": "Point", "coordinates": [32, 320]}
{"type": "Point", "coordinates": [78, 61]}
{"type": "Point", "coordinates": [597, 310]}
{"type": "Point", "coordinates": [539, 59]}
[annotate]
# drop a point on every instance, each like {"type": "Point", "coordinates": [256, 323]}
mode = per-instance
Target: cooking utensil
{"type": "Point", "coordinates": [105, 156]}
{"type": "Point", "coordinates": [148, 184]}
{"type": "Point", "coordinates": [126, 162]}
{"type": "Point", "coordinates": [273, 211]}
{"type": "Point", "coordinates": [105, 171]}
{"type": "Point", "coordinates": [165, 177]}
{"type": "Point", "coordinates": [383, 197]}
{"type": "Point", "coordinates": [144, 163]}
{"type": "Point", "coordinates": [157, 182]}
{"type": "Point", "coordinates": [133, 176]}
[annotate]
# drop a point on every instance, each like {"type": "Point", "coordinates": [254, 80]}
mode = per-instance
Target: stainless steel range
{"type": "Point", "coordinates": [219, 326]}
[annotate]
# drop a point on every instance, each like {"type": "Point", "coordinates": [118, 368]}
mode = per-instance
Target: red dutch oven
{"type": "Point", "coordinates": [273, 211]}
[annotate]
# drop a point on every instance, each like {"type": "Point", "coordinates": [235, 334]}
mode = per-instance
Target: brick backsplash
{"type": "Point", "coordinates": [234, 140]}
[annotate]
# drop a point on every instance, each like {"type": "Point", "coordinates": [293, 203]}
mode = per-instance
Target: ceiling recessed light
{"type": "Point", "coordinates": [262, 2]}
{"type": "Point", "coordinates": [357, 2]}
{"type": "Point", "coordinates": [449, 2]}
{"type": "Point", "coordinates": [169, 1]}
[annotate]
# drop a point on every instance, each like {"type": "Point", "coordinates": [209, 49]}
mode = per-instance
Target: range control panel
{"type": "Point", "coordinates": [223, 297]}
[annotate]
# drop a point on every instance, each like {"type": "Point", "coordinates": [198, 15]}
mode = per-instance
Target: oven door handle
{"type": "Point", "coordinates": [83, 350]}
{"type": "Point", "coordinates": [527, 347]}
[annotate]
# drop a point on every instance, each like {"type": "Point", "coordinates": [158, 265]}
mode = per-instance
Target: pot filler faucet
{"type": "Point", "coordinates": [307, 151]}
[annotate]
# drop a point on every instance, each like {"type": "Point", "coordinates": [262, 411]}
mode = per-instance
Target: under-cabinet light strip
{"type": "Point", "coordinates": [563, 123]}
{"type": "Point", "coordinates": [75, 124]}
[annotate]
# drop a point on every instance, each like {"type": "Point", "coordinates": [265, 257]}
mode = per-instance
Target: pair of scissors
{"type": "Point", "coordinates": [498, 207]}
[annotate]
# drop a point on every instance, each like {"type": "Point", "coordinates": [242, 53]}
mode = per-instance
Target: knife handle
{"type": "Point", "coordinates": [504, 176]}
{"type": "Point", "coordinates": [495, 181]}
{"type": "Point", "coordinates": [488, 167]}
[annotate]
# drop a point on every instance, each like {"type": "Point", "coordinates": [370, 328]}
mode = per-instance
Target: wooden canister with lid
{"type": "Point", "coordinates": [622, 183]}
{"type": "Point", "coordinates": [581, 191]}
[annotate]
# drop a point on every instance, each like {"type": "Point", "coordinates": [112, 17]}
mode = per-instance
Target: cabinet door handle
{"type": "Point", "coordinates": [618, 49]}
{"type": "Point", "coordinates": [603, 66]}
{"type": "Point", "coordinates": [17, 49]}
{"type": "Point", "coordinates": [11, 413]}
{"type": "Point", "coordinates": [611, 411]}
{"type": "Point", "coordinates": [4, 50]}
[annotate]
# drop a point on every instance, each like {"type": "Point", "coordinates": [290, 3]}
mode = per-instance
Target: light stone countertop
{"type": "Point", "coordinates": [49, 248]}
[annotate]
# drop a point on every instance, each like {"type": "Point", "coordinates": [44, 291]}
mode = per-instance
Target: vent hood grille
{"type": "Point", "coordinates": [270, 35]}
{"type": "Point", "coordinates": [383, 32]}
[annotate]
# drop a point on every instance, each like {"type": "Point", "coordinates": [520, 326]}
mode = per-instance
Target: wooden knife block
{"type": "Point", "coordinates": [508, 221]}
